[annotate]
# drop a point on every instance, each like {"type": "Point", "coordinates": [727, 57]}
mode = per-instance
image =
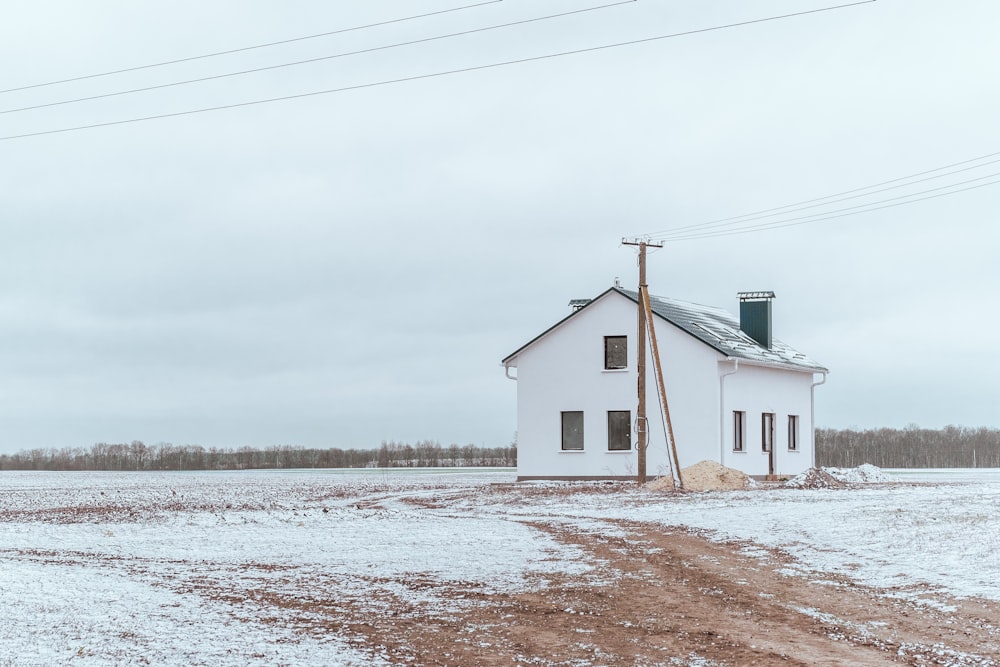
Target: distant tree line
{"type": "Point", "coordinates": [428, 454]}
{"type": "Point", "coordinates": [140, 456]}
{"type": "Point", "coordinates": [911, 447]}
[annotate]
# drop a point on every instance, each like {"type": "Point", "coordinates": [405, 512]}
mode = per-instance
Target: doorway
{"type": "Point", "coordinates": [767, 440]}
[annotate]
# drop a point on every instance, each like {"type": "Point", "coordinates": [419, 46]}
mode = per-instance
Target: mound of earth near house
{"type": "Point", "coordinates": [865, 472]}
{"type": "Point", "coordinates": [712, 476]}
{"type": "Point", "coordinates": [815, 478]}
{"type": "Point", "coordinates": [665, 483]}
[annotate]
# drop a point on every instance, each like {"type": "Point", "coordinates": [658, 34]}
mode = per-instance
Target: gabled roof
{"type": "Point", "coordinates": [714, 327]}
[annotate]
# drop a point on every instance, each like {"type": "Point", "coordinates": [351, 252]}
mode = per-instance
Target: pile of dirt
{"type": "Point", "coordinates": [865, 472]}
{"type": "Point", "coordinates": [815, 478]}
{"type": "Point", "coordinates": [712, 476]}
{"type": "Point", "coordinates": [665, 483]}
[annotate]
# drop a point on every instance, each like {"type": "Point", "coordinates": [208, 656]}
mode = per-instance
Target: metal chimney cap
{"type": "Point", "coordinates": [754, 296]}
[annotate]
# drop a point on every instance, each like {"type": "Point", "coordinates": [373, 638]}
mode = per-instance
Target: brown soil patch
{"type": "Point", "coordinates": [675, 598]}
{"type": "Point", "coordinates": [657, 597]}
{"type": "Point", "coordinates": [661, 484]}
{"type": "Point", "coordinates": [712, 476]}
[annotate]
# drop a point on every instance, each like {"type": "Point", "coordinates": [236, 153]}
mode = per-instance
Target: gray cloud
{"type": "Point", "coordinates": [346, 268]}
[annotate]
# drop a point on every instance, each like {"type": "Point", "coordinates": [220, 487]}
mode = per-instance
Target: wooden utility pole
{"type": "Point", "coordinates": [675, 463]}
{"type": "Point", "coordinates": [641, 423]}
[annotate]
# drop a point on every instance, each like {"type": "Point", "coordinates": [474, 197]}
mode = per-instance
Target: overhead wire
{"type": "Point", "coordinates": [782, 210]}
{"type": "Point", "coordinates": [792, 208]}
{"type": "Point", "coordinates": [345, 54]}
{"type": "Point", "coordinates": [249, 48]}
{"type": "Point", "coordinates": [420, 77]}
{"type": "Point", "coordinates": [837, 213]}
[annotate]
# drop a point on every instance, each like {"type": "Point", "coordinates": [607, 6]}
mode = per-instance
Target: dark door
{"type": "Point", "coordinates": [767, 440]}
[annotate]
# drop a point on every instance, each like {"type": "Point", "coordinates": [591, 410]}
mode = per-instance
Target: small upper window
{"type": "Point", "coordinates": [615, 352]}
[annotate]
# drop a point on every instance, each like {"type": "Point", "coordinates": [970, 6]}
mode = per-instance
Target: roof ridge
{"type": "Point", "coordinates": [715, 327]}
{"type": "Point", "coordinates": [720, 329]}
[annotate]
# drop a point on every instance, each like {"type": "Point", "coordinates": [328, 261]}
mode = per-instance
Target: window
{"type": "Point", "coordinates": [572, 431]}
{"type": "Point", "coordinates": [739, 431]}
{"type": "Point", "coordinates": [793, 433]}
{"type": "Point", "coordinates": [767, 431]}
{"type": "Point", "coordinates": [615, 352]}
{"type": "Point", "coordinates": [619, 430]}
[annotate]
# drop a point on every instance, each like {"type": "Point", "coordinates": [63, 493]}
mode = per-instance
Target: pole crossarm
{"type": "Point", "coordinates": [642, 242]}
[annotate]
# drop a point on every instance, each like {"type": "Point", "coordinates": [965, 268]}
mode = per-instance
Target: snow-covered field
{"type": "Point", "coordinates": [201, 568]}
{"type": "Point", "coordinates": [942, 536]}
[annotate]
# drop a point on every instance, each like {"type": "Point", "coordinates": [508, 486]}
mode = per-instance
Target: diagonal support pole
{"type": "Point", "coordinates": [644, 302]}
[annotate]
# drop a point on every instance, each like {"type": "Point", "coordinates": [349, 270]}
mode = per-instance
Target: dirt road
{"type": "Point", "coordinates": [671, 597]}
{"type": "Point", "coordinates": [653, 594]}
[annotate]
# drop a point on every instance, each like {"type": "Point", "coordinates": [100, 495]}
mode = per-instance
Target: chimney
{"type": "Point", "coordinates": [755, 316]}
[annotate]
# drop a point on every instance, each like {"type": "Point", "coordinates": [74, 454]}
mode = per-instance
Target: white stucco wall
{"type": "Point", "coordinates": [564, 371]}
{"type": "Point", "coordinates": [757, 390]}
{"type": "Point", "coordinates": [692, 387]}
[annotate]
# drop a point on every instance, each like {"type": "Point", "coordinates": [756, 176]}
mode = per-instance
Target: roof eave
{"type": "Point", "coordinates": [777, 364]}
{"type": "Point", "coordinates": [506, 361]}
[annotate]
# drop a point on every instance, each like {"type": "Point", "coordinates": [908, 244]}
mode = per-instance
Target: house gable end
{"type": "Point", "coordinates": [506, 361]}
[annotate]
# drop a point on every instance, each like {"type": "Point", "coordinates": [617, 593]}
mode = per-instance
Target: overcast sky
{"type": "Point", "coordinates": [347, 268]}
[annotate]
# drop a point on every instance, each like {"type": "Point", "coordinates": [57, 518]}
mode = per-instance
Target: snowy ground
{"type": "Point", "coordinates": [944, 535]}
{"type": "Point", "coordinates": [217, 568]}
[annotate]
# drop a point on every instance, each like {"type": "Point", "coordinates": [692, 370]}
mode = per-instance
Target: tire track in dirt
{"type": "Point", "coordinates": [662, 596]}
{"type": "Point", "coordinates": [656, 596]}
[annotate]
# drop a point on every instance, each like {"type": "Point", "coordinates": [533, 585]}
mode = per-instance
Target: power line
{"type": "Point", "coordinates": [249, 48]}
{"type": "Point", "coordinates": [832, 215]}
{"type": "Point", "coordinates": [318, 59]}
{"type": "Point", "coordinates": [793, 208]}
{"type": "Point", "coordinates": [781, 210]}
{"type": "Point", "coordinates": [420, 77]}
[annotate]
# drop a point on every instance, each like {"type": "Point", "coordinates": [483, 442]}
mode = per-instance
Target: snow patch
{"type": "Point", "coordinates": [815, 478]}
{"type": "Point", "coordinates": [864, 473]}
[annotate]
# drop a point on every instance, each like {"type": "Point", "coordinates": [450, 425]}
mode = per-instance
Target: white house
{"type": "Point", "coordinates": [736, 394]}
